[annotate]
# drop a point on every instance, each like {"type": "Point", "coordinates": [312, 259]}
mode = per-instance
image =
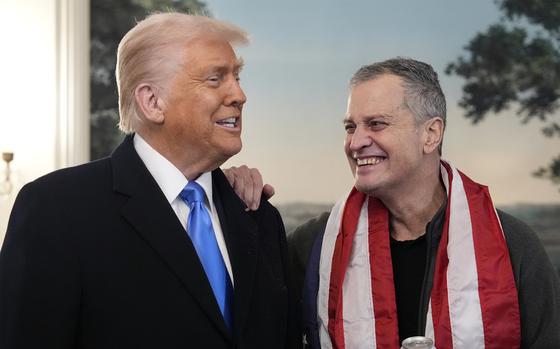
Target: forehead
{"type": "Point", "coordinates": [382, 95]}
{"type": "Point", "coordinates": [206, 52]}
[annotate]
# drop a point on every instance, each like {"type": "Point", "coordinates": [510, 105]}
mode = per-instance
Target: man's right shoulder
{"type": "Point", "coordinates": [301, 240]}
{"type": "Point", "coordinates": [73, 180]}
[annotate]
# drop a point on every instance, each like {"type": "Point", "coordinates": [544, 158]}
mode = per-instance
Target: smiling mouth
{"type": "Point", "coordinates": [232, 122]}
{"type": "Point", "coordinates": [374, 160]}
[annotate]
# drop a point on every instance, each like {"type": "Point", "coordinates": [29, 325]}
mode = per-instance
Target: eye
{"type": "Point", "coordinates": [349, 127]}
{"type": "Point", "coordinates": [376, 124]}
{"type": "Point", "coordinates": [214, 79]}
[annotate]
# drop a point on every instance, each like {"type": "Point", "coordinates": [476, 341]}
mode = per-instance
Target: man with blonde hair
{"type": "Point", "coordinates": [151, 248]}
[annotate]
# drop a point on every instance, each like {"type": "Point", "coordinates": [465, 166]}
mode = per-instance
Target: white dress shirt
{"type": "Point", "coordinates": [171, 182]}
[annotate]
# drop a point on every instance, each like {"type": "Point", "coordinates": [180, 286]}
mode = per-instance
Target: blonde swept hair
{"type": "Point", "coordinates": [151, 51]}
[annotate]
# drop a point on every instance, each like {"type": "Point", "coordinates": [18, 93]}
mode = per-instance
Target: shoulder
{"type": "Point", "coordinates": [522, 241]}
{"type": "Point", "coordinates": [515, 228]}
{"type": "Point", "coordinates": [224, 193]}
{"type": "Point", "coordinates": [44, 208]}
{"type": "Point", "coordinates": [301, 240]}
{"type": "Point", "coordinates": [309, 229]}
{"type": "Point", "coordinates": [72, 179]}
{"type": "Point", "coordinates": [524, 246]}
{"type": "Point", "coordinates": [67, 182]}
{"type": "Point", "coordinates": [537, 284]}
{"type": "Point", "coordinates": [268, 214]}
{"type": "Point", "coordinates": [52, 194]}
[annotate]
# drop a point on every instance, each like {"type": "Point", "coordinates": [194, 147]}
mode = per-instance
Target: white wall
{"type": "Point", "coordinates": [44, 88]}
{"type": "Point", "coordinates": [27, 89]}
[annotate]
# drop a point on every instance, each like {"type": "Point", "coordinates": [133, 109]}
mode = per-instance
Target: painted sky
{"type": "Point", "coordinates": [297, 68]}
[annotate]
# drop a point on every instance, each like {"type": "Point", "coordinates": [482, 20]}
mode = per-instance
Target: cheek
{"type": "Point", "coordinates": [414, 147]}
{"type": "Point", "coordinates": [210, 102]}
{"type": "Point", "coordinates": [346, 145]}
{"type": "Point", "coordinates": [348, 153]}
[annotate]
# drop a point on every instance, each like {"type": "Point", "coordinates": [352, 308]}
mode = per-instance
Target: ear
{"type": "Point", "coordinates": [433, 129]}
{"type": "Point", "coordinates": [149, 103]}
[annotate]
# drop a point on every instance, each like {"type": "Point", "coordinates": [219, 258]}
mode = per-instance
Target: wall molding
{"type": "Point", "coordinates": [72, 144]}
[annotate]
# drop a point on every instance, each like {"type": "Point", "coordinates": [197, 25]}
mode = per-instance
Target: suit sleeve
{"type": "Point", "coordinates": [538, 286]}
{"type": "Point", "coordinates": [293, 338]}
{"type": "Point", "coordinates": [300, 244]}
{"type": "Point", "coordinates": [39, 285]}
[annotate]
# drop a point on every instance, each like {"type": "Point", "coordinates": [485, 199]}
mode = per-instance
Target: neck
{"type": "Point", "coordinates": [190, 162]}
{"type": "Point", "coordinates": [411, 211]}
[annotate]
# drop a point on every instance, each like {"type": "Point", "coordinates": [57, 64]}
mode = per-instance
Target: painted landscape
{"type": "Point", "coordinates": [544, 219]}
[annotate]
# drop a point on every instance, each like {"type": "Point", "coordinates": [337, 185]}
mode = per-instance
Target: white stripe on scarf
{"type": "Point", "coordinates": [358, 314]}
{"type": "Point", "coordinates": [462, 276]}
{"type": "Point", "coordinates": [327, 251]}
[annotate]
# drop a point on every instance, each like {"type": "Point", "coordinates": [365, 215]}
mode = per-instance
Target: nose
{"type": "Point", "coordinates": [359, 139]}
{"type": "Point", "coordinates": [236, 96]}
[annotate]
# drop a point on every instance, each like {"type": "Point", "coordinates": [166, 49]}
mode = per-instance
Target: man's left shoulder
{"type": "Point", "coordinates": [537, 284]}
{"type": "Point", "coordinates": [527, 254]}
{"type": "Point", "coordinates": [519, 236]}
{"type": "Point", "coordinates": [269, 215]}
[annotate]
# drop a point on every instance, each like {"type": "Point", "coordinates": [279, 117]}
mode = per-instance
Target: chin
{"type": "Point", "coordinates": [365, 187]}
{"type": "Point", "coordinates": [231, 149]}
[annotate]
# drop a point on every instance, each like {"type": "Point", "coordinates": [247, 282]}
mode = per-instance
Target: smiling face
{"type": "Point", "coordinates": [384, 144]}
{"type": "Point", "coordinates": [203, 106]}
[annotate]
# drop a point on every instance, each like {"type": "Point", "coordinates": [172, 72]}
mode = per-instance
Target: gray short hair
{"type": "Point", "coordinates": [148, 53]}
{"type": "Point", "coordinates": [422, 92]}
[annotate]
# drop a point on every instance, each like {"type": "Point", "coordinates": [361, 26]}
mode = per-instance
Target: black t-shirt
{"type": "Point", "coordinates": [410, 266]}
{"type": "Point", "coordinates": [409, 263]}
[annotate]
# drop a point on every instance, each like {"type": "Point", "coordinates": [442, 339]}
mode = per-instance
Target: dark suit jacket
{"type": "Point", "coordinates": [95, 257]}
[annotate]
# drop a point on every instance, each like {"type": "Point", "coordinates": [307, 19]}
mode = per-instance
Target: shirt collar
{"type": "Point", "coordinates": [168, 177]}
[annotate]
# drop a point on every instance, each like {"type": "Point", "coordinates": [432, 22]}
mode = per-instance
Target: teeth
{"type": "Point", "coordinates": [229, 122]}
{"type": "Point", "coordinates": [369, 161]}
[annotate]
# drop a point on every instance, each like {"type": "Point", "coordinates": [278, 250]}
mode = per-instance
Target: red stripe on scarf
{"type": "Point", "coordinates": [341, 257]}
{"type": "Point", "coordinates": [496, 284]}
{"type": "Point", "coordinates": [439, 296]}
{"type": "Point", "coordinates": [382, 284]}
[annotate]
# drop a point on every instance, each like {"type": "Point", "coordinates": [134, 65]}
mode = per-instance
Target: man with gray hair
{"type": "Point", "coordinates": [151, 248]}
{"type": "Point", "coordinates": [417, 248]}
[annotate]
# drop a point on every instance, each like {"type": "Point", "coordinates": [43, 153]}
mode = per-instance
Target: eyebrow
{"type": "Point", "coordinates": [240, 64]}
{"type": "Point", "coordinates": [224, 69]}
{"type": "Point", "coordinates": [369, 117]}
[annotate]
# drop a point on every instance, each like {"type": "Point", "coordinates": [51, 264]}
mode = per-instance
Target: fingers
{"type": "Point", "coordinates": [243, 186]}
{"type": "Point", "coordinates": [257, 188]}
{"type": "Point", "coordinates": [268, 191]}
{"type": "Point", "coordinates": [230, 175]}
{"type": "Point", "coordinates": [247, 184]}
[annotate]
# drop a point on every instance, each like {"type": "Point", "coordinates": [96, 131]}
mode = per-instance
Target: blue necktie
{"type": "Point", "coordinates": [199, 228]}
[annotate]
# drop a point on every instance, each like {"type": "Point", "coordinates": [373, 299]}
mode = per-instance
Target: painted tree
{"type": "Point", "coordinates": [515, 64]}
{"type": "Point", "coordinates": [110, 20]}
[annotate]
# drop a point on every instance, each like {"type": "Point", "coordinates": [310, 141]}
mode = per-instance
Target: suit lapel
{"type": "Point", "coordinates": [240, 233]}
{"type": "Point", "coordinates": [152, 217]}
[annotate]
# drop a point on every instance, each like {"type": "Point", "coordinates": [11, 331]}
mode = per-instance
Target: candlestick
{"type": "Point", "coordinates": [6, 185]}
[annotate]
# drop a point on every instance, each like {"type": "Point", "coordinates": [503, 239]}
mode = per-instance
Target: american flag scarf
{"type": "Point", "coordinates": [473, 303]}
